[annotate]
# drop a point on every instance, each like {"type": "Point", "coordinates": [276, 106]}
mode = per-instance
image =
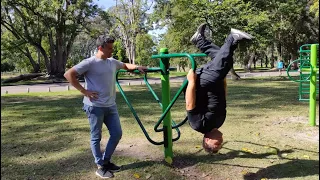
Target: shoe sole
{"type": "Point", "coordinates": [113, 171]}
{"type": "Point", "coordinates": [244, 34]}
{"type": "Point", "coordinates": [201, 25]}
{"type": "Point", "coordinates": [194, 36]}
{"type": "Point", "coordinates": [198, 32]}
{"type": "Point", "coordinates": [103, 177]}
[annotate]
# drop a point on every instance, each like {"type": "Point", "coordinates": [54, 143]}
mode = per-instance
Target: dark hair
{"type": "Point", "coordinates": [207, 148]}
{"type": "Point", "coordinates": [104, 39]}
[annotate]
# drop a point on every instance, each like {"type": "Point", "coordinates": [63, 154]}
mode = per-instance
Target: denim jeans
{"type": "Point", "coordinates": [110, 117]}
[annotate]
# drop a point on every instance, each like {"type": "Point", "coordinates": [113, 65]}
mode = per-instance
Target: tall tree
{"type": "Point", "coordinates": [293, 26]}
{"type": "Point", "coordinates": [85, 43]}
{"type": "Point", "coordinates": [315, 7]}
{"type": "Point", "coordinates": [18, 52]}
{"type": "Point", "coordinates": [145, 47]}
{"type": "Point", "coordinates": [58, 21]}
{"type": "Point", "coordinates": [130, 20]}
{"type": "Point", "coordinates": [273, 23]}
{"type": "Point", "coordinates": [220, 15]}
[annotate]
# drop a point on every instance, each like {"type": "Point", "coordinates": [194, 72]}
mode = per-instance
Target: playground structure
{"type": "Point", "coordinates": [308, 78]}
{"type": "Point", "coordinates": [308, 73]}
{"type": "Point", "coordinates": [165, 103]}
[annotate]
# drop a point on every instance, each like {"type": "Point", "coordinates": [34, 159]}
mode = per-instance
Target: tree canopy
{"type": "Point", "coordinates": [52, 35]}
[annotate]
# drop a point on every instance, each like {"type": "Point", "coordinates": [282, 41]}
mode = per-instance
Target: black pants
{"type": "Point", "coordinates": [221, 61]}
{"type": "Point", "coordinates": [210, 111]}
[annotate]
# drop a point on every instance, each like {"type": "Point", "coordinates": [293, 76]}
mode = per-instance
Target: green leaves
{"type": "Point", "coordinates": [314, 8]}
{"type": "Point", "coordinates": [144, 50]}
{"type": "Point", "coordinates": [52, 22]}
{"type": "Point", "coordinates": [275, 22]}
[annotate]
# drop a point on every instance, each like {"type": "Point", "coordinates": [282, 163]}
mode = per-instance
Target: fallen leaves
{"type": "Point", "coordinates": [136, 175]}
{"type": "Point", "coordinates": [247, 150]}
{"type": "Point", "coordinates": [306, 156]}
{"type": "Point", "coordinates": [244, 172]}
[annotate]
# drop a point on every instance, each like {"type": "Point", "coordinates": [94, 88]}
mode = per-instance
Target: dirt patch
{"type": "Point", "coordinates": [309, 136]}
{"type": "Point", "coordinates": [143, 150]}
{"type": "Point", "coordinates": [188, 170]}
{"type": "Point", "coordinates": [296, 119]}
{"type": "Point", "coordinates": [140, 149]}
{"type": "Point", "coordinates": [309, 133]}
{"type": "Point", "coordinates": [192, 172]}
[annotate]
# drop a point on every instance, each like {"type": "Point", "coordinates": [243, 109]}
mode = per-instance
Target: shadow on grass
{"type": "Point", "coordinates": [140, 164]}
{"type": "Point", "coordinates": [269, 79]}
{"type": "Point", "coordinates": [292, 169]}
{"type": "Point", "coordinates": [49, 169]}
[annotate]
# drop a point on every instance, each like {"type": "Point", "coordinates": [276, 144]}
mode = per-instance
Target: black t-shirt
{"type": "Point", "coordinates": [210, 110]}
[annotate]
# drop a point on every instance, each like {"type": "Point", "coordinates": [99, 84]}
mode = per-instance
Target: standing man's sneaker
{"type": "Point", "coordinates": [104, 173]}
{"type": "Point", "coordinates": [112, 167]}
{"type": "Point", "coordinates": [240, 35]}
{"type": "Point", "coordinates": [199, 33]}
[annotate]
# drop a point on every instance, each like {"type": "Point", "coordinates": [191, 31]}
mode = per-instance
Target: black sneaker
{"type": "Point", "coordinates": [199, 33]}
{"type": "Point", "coordinates": [112, 167]}
{"type": "Point", "coordinates": [104, 173]}
{"type": "Point", "coordinates": [240, 35]}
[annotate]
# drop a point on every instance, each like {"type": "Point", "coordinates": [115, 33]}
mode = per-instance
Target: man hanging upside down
{"type": "Point", "coordinates": [206, 91]}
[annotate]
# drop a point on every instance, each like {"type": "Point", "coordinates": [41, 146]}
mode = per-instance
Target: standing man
{"type": "Point", "coordinates": [99, 100]}
{"type": "Point", "coordinates": [206, 91]}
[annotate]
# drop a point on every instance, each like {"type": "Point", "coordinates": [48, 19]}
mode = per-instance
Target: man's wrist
{"type": "Point", "coordinates": [83, 91]}
{"type": "Point", "coordinates": [136, 68]}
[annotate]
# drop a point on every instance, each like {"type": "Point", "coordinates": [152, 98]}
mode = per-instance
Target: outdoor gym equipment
{"type": "Point", "coordinates": [165, 103]}
{"type": "Point", "coordinates": [309, 77]}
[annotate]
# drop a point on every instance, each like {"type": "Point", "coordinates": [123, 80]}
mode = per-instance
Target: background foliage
{"type": "Point", "coordinates": [50, 36]}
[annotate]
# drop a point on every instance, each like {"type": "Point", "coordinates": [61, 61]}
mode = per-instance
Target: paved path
{"type": "Point", "coordinates": [66, 86]}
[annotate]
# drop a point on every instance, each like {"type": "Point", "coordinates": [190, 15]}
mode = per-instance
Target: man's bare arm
{"type": "Point", "coordinates": [71, 76]}
{"type": "Point", "coordinates": [191, 91]}
{"type": "Point", "coordinates": [128, 66]}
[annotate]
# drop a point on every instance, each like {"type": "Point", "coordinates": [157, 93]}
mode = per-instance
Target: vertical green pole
{"type": "Point", "coordinates": [312, 101]}
{"type": "Point", "coordinates": [167, 128]}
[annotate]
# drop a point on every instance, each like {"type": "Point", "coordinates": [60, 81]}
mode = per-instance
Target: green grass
{"type": "Point", "coordinates": [266, 135]}
{"type": "Point", "coordinates": [258, 69]}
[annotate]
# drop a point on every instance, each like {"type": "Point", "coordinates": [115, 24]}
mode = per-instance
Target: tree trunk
{"type": "Point", "coordinates": [46, 59]}
{"type": "Point", "coordinates": [234, 74]}
{"type": "Point", "coordinates": [35, 66]}
{"type": "Point", "coordinates": [272, 56]}
{"type": "Point", "coordinates": [52, 55]}
{"type": "Point", "coordinates": [22, 77]}
{"type": "Point", "coordinates": [279, 49]}
{"type": "Point", "coordinates": [133, 51]}
{"type": "Point", "coordinates": [295, 64]}
{"type": "Point", "coordinates": [266, 63]}
{"type": "Point", "coordinates": [128, 53]}
{"type": "Point", "coordinates": [60, 56]}
{"type": "Point", "coordinates": [252, 56]}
